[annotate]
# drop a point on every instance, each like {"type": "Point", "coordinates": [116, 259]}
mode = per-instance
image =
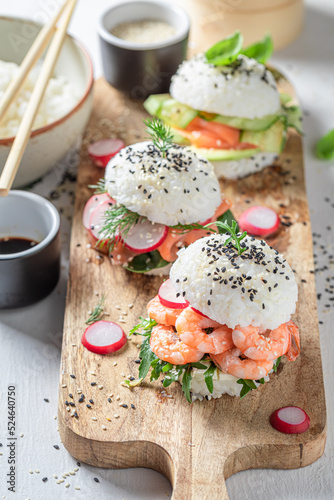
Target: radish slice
{"type": "Point", "coordinates": [259, 221]}
{"type": "Point", "coordinates": [145, 236]}
{"type": "Point", "coordinates": [168, 296]}
{"type": "Point", "coordinates": [290, 420]}
{"type": "Point", "coordinates": [97, 218]}
{"type": "Point", "coordinates": [200, 313]}
{"type": "Point", "coordinates": [103, 337]}
{"type": "Point", "coordinates": [102, 151]}
{"type": "Point", "coordinates": [92, 203]}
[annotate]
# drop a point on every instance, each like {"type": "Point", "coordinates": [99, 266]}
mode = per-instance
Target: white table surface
{"type": "Point", "coordinates": [30, 338]}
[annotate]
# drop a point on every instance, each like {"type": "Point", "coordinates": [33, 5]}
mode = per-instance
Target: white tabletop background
{"type": "Point", "coordinates": [30, 338]}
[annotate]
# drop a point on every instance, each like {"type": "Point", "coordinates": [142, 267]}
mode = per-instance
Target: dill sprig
{"type": "Point", "coordinates": [185, 228]}
{"type": "Point", "coordinates": [100, 187]}
{"type": "Point", "coordinates": [160, 134]}
{"type": "Point", "coordinates": [118, 220]}
{"type": "Point", "coordinates": [97, 313]}
{"type": "Point", "coordinates": [235, 237]}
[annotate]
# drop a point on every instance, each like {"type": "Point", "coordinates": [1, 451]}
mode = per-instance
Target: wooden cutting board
{"type": "Point", "coordinates": [196, 446]}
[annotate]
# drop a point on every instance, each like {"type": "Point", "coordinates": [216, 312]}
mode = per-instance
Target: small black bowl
{"type": "Point", "coordinates": [30, 275]}
{"type": "Point", "coordinates": [142, 69]}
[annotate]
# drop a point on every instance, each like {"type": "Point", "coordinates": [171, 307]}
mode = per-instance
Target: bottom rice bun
{"type": "Point", "coordinates": [234, 169]}
{"type": "Point", "coordinates": [223, 320]}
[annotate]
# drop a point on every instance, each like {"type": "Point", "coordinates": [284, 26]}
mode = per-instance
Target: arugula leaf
{"type": "Point", "coordinates": [325, 146]}
{"type": "Point", "coordinates": [171, 377]}
{"type": "Point", "coordinates": [235, 237]}
{"type": "Point", "coordinates": [276, 364]}
{"type": "Point", "coordinates": [145, 325]}
{"type": "Point", "coordinates": [226, 51]}
{"type": "Point", "coordinates": [227, 217]}
{"type": "Point", "coordinates": [145, 262]}
{"type": "Point", "coordinates": [208, 377]}
{"type": "Point", "coordinates": [147, 356]}
{"type": "Point", "coordinates": [261, 51]}
{"type": "Point", "coordinates": [186, 384]}
{"type": "Point", "coordinates": [247, 386]}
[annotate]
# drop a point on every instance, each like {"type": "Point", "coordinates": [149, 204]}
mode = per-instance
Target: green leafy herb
{"type": "Point", "coordinates": [228, 218]}
{"type": "Point", "coordinates": [97, 313]}
{"type": "Point", "coordinates": [160, 134]}
{"type": "Point", "coordinates": [145, 262]}
{"type": "Point", "coordinates": [247, 386]}
{"type": "Point", "coordinates": [261, 51]}
{"type": "Point", "coordinates": [145, 326]}
{"type": "Point", "coordinates": [147, 357]}
{"type": "Point", "coordinates": [276, 364]}
{"type": "Point", "coordinates": [325, 147]}
{"type": "Point", "coordinates": [285, 98]}
{"type": "Point", "coordinates": [235, 238]}
{"type": "Point", "coordinates": [117, 220]}
{"type": "Point", "coordinates": [226, 51]}
{"type": "Point", "coordinates": [208, 377]}
{"type": "Point", "coordinates": [100, 187]}
{"type": "Point", "coordinates": [186, 383]}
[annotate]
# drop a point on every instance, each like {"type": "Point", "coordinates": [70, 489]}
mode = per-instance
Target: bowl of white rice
{"type": "Point", "coordinates": [65, 108]}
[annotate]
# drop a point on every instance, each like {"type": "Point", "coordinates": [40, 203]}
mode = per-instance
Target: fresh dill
{"type": "Point", "coordinates": [235, 237]}
{"type": "Point", "coordinates": [118, 220]}
{"type": "Point", "coordinates": [160, 134]}
{"type": "Point", "coordinates": [99, 187]}
{"type": "Point", "coordinates": [185, 228]}
{"type": "Point", "coordinates": [97, 312]}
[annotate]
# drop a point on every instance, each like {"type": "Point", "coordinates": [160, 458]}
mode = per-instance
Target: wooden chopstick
{"type": "Point", "coordinates": [32, 56]}
{"type": "Point", "coordinates": [24, 130]}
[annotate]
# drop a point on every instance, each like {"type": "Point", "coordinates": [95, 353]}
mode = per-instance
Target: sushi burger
{"type": "Point", "coordinates": [222, 322]}
{"type": "Point", "coordinates": [225, 105]}
{"type": "Point", "coordinates": [157, 196]}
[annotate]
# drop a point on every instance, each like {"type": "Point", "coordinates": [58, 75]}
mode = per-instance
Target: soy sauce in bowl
{"type": "Point", "coordinates": [15, 244]}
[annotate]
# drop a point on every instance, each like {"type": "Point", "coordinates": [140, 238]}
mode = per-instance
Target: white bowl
{"type": "Point", "coordinates": [50, 143]}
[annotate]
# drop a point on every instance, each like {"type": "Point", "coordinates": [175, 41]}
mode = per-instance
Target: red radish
{"type": "Point", "coordinates": [169, 297]}
{"type": "Point", "coordinates": [92, 203]}
{"type": "Point", "coordinates": [290, 420]}
{"type": "Point", "coordinates": [200, 313]}
{"type": "Point", "coordinates": [103, 337]}
{"type": "Point", "coordinates": [96, 221]}
{"type": "Point", "coordinates": [102, 151]}
{"type": "Point", "coordinates": [259, 221]}
{"type": "Point", "coordinates": [145, 236]}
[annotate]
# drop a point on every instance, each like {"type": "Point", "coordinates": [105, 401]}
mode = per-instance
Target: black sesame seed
{"type": "Point", "coordinates": [56, 446]}
{"type": "Point", "coordinates": [44, 479]}
{"type": "Point", "coordinates": [72, 376]}
{"type": "Point", "coordinates": [46, 400]}
{"type": "Point", "coordinates": [96, 480]}
{"type": "Point", "coordinates": [93, 383]}
{"type": "Point", "coordinates": [91, 401]}
{"type": "Point", "coordinates": [71, 396]}
{"type": "Point", "coordinates": [88, 406]}
{"type": "Point", "coordinates": [124, 406]}
{"type": "Point", "coordinates": [133, 406]}
{"type": "Point", "coordinates": [109, 400]}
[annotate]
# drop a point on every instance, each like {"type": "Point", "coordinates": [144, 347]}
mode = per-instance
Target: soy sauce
{"type": "Point", "coordinates": [14, 244]}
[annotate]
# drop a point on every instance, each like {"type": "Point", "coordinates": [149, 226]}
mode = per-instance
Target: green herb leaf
{"type": "Point", "coordinates": [186, 384]}
{"type": "Point", "coordinates": [208, 377]}
{"type": "Point", "coordinates": [100, 187]}
{"type": "Point", "coordinates": [160, 134]}
{"type": "Point", "coordinates": [147, 356]}
{"type": "Point", "coordinates": [118, 220]}
{"type": "Point", "coordinates": [325, 146]}
{"type": "Point", "coordinates": [145, 262]}
{"type": "Point", "coordinates": [247, 386]}
{"type": "Point", "coordinates": [294, 118]}
{"type": "Point", "coordinates": [97, 313]}
{"type": "Point", "coordinates": [261, 51]}
{"type": "Point", "coordinates": [199, 365]}
{"type": "Point", "coordinates": [276, 364]}
{"type": "Point", "coordinates": [261, 380]}
{"type": "Point", "coordinates": [232, 229]}
{"type": "Point", "coordinates": [226, 51]}
{"type": "Point", "coordinates": [285, 98]}
{"type": "Point", "coordinates": [145, 325]}
{"type": "Point", "coordinates": [228, 218]}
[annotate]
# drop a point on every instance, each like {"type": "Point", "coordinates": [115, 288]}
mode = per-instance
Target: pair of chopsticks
{"type": "Point", "coordinates": [22, 136]}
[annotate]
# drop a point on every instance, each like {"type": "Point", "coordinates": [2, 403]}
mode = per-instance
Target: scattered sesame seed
{"type": "Point", "coordinates": [45, 479]}
{"type": "Point", "coordinates": [104, 427]}
{"type": "Point", "coordinates": [96, 480]}
{"type": "Point", "coordinates": [94, 418]}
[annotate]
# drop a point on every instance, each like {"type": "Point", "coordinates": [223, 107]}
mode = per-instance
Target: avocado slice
{"type": "Point", "coordinates": [271, 140]}
{"type": "Point", "coordinates": [225, 154]}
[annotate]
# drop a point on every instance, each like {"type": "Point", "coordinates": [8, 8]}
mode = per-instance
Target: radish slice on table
{"type": "Point", "coordinates": [97, 218]}
{"type": "Point", "coordinates": [92, 203]}
{"type": "Point", "coordinates": [102, 151]}
{"type": "Point", "coordinates": [259, 221]}
{"type": "Point", "coordinates": [168, 296]}
{"type": "Point", "coordinates": [290, 420]}
{"type": "Point", "coordinates": [103, 337]}
{"type": "Point", "coordinates": [145, 236]}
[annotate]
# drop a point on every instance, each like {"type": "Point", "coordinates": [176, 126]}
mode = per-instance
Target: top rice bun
{"type": "Point", "coordinates": [179, 189]}
{"type": "Point", "coordinates": [256, 288]}
{"type": "Point", "coordinates": [246, 89]}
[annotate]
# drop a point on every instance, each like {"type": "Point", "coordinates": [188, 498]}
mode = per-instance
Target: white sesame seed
{"type": "Point", "coordinates": [118, 307]}
{"type": "Point", "coordinates": [31, 471]}
{"type": "Point", "coordinates": [55, 476]}
{"type": "Point", "coordinates": [96, 292]}
{"type": "Point", "coordinates": [72, 473]}
{"type": "Point", "coordinates": [77, 488]}
{"type": "Point", "coordinates": [115, 363]}
{"type": "Point", "coordinates": [60, 481]}
{"type": "Point", "coordinates": [68, 408]}
{"type": "Point", "coordinates": [93, 373]}
{"type": "Point", "coordinates": [130, 306]}
{"type": "Point", "coordinates": [88, 245]}
{"type": "Point", "coordinates": [37, 471]}
{"type": "Point", "coordinates": [74, 345]}
{"type": "Point", "coordinates": [54, 417]}
{"type": "Point", "coordinates": [110, 395]}
{"type": "Point", "coordinates": [76, 469]}
{"type": "Point", "coordinates": [87, 260]}
{"type": "Point", "coordinates": [67, 485]}
{"type": "Point", "coordinates": [118, 398]}
{"type": "Point", "coordinates": [79, 391]}
{"type": "Point", "coordinates": [116, 416]}
{"type": "Point", "coordinates": [64, 385]}
{"type": "Point", "coordinates": [104, 427]}
{"type": "Point", "coordinates": [94, 418]}
{"type": "Point", "coordinates": [122, 374]}
{"type": "Point", "coordinates": [100, 387]}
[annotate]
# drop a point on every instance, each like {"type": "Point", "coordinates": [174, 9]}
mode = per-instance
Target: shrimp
{"type": "Point", "coordinates": [166, 344]}
{"type": "Point", "coordinates": [294, 346]}
{"type": "Point", "coordinates": [191, 328]}
{"type": "Point", "coordinates": [255, 345]}
{"type": "Point", "coordinates": [161, 314]}
{"type": "Point", "coordinates": [229, 362]}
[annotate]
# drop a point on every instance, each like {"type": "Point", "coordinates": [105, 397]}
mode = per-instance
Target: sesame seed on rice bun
{"type": "Point", "coordinates": [179, 189]}
{"type": "Point", "coordinates": [245, 89]}
{"type": "Point", "coordinates": [256, 288]}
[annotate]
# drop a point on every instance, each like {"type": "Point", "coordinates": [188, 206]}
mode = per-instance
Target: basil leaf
{"type": "Point", "coordinates": [225, 51]}
{"type": "Point", "coordinates": [186, 384]}
{"type": "Point", "coordinates": [146, 262]}
{"type": "Point", "coordinates": [147, 356]}
{"type": "Point", "coordinates": [325, 147]}
{"type": "Point", "coordinates": [227, 217]}
{"type": "Point", "coordinates": [261, 51]}
{"type": "Point", "coordinates": [208, 377]}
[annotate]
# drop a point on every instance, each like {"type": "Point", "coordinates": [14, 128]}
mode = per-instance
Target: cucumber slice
{"type": "Point", "coordinates": [154, 102]}
{"type": "Point", "coordinates": [271, 140]}
{"type": "Point", "coordinates": [176, 114]}
{"type": "Point", "coordinates": [225, 154]}
{"type": "Point", "coordinates": [294, 118]}
{"type": "Point", "coordinates": [255, 124]}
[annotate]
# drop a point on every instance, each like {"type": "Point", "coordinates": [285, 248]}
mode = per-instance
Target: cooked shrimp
{"type": "Point", "coordinates": [229, 362]}
{"type": "Point", "coordinates": [294, 346]}
{"type": "Point", "coordinates": [167, 345]}
{"type": "Point", "coordinates": [161, 314]}
{"type": "Point", "coordinates": [256, 346]}
{"type": "Point", "coordinates": [191, 328]}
